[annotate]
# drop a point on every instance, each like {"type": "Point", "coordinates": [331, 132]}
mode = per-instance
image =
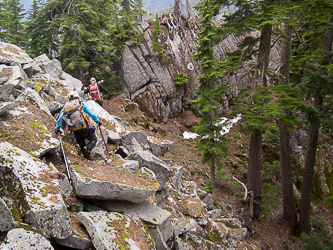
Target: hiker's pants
{"type": "Point", "coordinates": [83, 134]}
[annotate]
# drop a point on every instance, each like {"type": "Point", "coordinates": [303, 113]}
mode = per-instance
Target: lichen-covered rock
{"type": "Point", "coordinates": [21, 239]}
{"type": "Point", "coordinates": [10, 53]}
{"type": "Point", "coordinates": [35, 186]}
{"type": "Point", "coordinates": [146, 211]}
{"type": "Point", "coordinates": [31, 96]}
{"type": "Point", "coordinates": [148, 160]}
{"type": "Point", "coordinates": [160, 147]}
{"type": "Point", "coordinates": [115, 231]}
{"type": "Point", "coordinates": [104, 182]}
{"type": "Point", "coordinates": [5, 107]}
{"type": "Point", "coordinates": [6, 219]}
{"type": "Point", "coordinates": [76, 242]}
{"type": "Point", "coordinates": [27, 127]}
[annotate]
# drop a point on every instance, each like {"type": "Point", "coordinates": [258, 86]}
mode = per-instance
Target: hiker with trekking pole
{"type": "Point", "coordinates": [73, 116]}
{"type": "Point", "coordinates": [94, 90]}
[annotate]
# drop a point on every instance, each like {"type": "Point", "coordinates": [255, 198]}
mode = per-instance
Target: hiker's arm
{"type": "Point", "coordinates": [102, 88]}
{"type": "Point", "coordinates": [59, 119]}
{"type": "Point", "coordinates": [86, 90]}
{"type": "Point", "coordinates": [89, 112]}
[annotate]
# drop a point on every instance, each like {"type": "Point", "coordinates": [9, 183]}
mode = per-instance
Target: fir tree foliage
{"type": "Point", "coordinates": [40, 38]}
{"type": "Point", "coordinates": [157, 46]}
{"type": "Point", "coordinates": [11, 22]}
{"type": "Point", "coordinates": [212, 144]}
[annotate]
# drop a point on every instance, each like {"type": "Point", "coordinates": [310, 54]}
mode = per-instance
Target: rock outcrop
{"type": "Point", "coordinates": [125, 198]}
{"type": "Point", "coordinates": [148, 81]}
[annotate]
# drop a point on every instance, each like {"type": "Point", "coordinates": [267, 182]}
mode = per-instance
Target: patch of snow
{"type": "Point", "coordinates": [225, 129]}
{"type": "Point", "coordinates": [189, 135]}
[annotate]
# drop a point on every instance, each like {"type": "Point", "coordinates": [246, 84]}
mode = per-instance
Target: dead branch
{"type": "Point", "coordinates": [243, 186]}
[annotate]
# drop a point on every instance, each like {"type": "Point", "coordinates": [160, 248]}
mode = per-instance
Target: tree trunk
{"type": "Point", "coordinates": [264, 52]}
{"type": "Point", "coordinates": [307, 184]}
{"type": "Point", "coordinates": [289, 206]}
{"type": "Point", "coordinates": [176, 9]}
{"type": "Point", "coordinates": [254, 169]}
{"type": "Point", "coordinates": [212, 170]}
{"type": "Point", "coordinates": [310, 158]}
{"type": "Point", "coordinates": [78, 72]}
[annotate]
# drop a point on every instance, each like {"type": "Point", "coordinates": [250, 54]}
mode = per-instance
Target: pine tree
{"type": "Point", "coordinates": [212, 144]}
{"type": "Point", "coordinates": [11, 22]}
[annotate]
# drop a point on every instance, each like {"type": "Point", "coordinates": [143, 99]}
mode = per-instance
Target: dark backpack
{"type": "Point", "coordinates": [75, 116]}
{"type": "Point", "coordinates": [94, 91]}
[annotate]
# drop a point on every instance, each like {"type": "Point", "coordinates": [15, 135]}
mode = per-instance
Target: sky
{"type": "Point", "coordinates": [26, 4]}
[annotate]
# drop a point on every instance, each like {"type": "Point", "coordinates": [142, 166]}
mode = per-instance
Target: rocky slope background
{"type": "Point", "coordinates": [145, 190]}
{"type": "Point", "coordinates": [129, 197]}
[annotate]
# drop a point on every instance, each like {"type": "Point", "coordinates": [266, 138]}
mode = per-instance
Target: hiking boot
{"type": "Point", "coordinates": [86, 153]}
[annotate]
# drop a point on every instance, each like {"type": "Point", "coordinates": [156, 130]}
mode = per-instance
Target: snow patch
{"type": "Point", "coordinates": [225, 129]}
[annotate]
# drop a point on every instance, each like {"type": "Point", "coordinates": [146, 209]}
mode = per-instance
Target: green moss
{"type": "Point", "coordinates": [214, 236]}
{"type": "Point", "coordinates": [31, 228]}
{"type": "Point", "coordinates": [34, 125]}
{"type": "Point", "coordinates": [16, 215]}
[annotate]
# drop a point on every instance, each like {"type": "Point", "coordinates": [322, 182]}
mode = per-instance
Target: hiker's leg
{"type": "Point", "coordinates": [80, 137]}
{"type": "Point", "coordinates": [91, 138]}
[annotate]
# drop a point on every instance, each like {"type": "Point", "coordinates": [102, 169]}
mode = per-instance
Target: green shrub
{"type": "Point", "coordinates": [180, 79]}
{"type": "Point", "coordinates": [319, 238]}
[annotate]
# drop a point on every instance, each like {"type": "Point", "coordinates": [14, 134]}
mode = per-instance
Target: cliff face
{"type": "Point", "coordinates": [150, 83]}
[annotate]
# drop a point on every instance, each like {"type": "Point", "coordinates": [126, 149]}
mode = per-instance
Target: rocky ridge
{"type": "Point", "coordinates": [128, 197]}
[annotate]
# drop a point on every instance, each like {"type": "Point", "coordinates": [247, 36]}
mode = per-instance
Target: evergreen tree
{"type": "Point", "coordinates": [251, 16]}
{"type": "Point", "coordinates": [317, 85]}
{"type": "Point", "coordinates": [11, 22]}
{"type": "Point", "coordinates": [157, 46]}
{"type": "Point", "coordinates": [212, 144]}
{"type": "Point", "coordinates": [40, 39]}
{"type": "Point", "coordinates": [84, 36]}
{"type": "Point", "coordinates": [129, 16]}
{"type": "Point", "coordinates": [289, 204]}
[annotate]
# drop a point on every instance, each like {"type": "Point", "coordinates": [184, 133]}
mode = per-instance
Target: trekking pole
{"type": "Point", "coordinates": [63, 152]}
{"type": "Point", "coordinates": [103, 138]}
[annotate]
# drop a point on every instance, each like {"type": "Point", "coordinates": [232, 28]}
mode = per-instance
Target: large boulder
{"type": "Point", "coordinates": [20, 238]}
{"type": "Point", "coordinates": [35, 187]}
{"type": "Point", "coordinates": [105, 182]}
{"type": "Point", "coordinates": [116, 231]}
{"type": "Point", "coordinates": [150, 161]}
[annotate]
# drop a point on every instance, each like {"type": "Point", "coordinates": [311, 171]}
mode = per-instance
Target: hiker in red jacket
{"type": "Point", "coordinates": [94, 90]}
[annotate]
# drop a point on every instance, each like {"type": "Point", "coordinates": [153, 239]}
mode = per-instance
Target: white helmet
{"type": "Point", "coordinates": [72, 95]}
{"type": "Point", "coordinates": [93, 79]}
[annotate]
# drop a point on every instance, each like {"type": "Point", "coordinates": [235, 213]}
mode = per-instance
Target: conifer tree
{"type": "Point", "coordinates": [157, 46]}
{"type": "Point", "coordinates": [315, 57]}
{"type": "Point", "coordinates": [11, 22]}
{"type": "Point", "coordinates": [129, 16]}
{"type": "Point", "coordinates": [84, 38]}
{"type": "Point", "coordinates": [212, 144]}
{"type": "Point", "coordinates": [251, 16]}
{"type": "Point", "coordinates": [40, 39]}
{"type": "Point", "coordinates": [289, 205]}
